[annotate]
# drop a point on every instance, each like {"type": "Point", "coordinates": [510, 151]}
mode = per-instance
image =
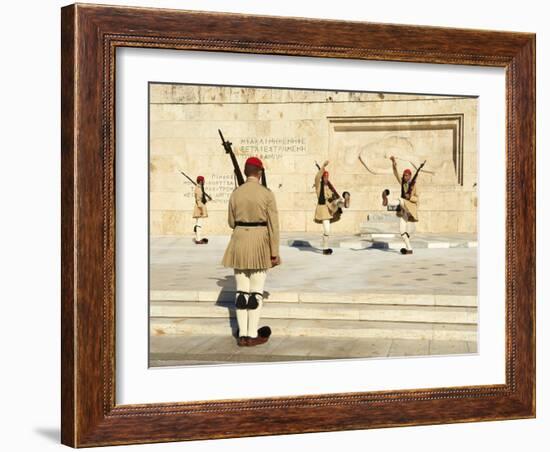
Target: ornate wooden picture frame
{"type": "Point", "coordinates": [90, 36]}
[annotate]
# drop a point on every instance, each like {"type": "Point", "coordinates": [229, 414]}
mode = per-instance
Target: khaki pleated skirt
{"type": "Point", "coordinates": [248, 249]}
{"type": "Point", "coordinates": [322, 212]}
{"type": "Point", "coordinates": [200, 213]}
{"type": "Point", "coordinates": [412, 210]}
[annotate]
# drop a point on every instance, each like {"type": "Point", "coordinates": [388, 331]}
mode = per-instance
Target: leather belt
{"type": "Point", "coordinates": [244, 223]}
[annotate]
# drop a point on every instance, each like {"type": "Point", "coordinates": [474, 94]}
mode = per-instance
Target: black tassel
{"type": "Point", "coordinates": [264, 180]}
{"type": "Point", "coordinates": [409, 188]}
{"type": "Point", "coordinates": [203, 198]}
{"type": "Point", "coordinates": [322, 199]}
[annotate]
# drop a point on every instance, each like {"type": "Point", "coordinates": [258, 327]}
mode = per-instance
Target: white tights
{"type": "Point", "coordinates": [198, 228]}
{"type": "Point", "coordinates": [404, 224]}
{"type": "Point", "coordinates": [326, 232]}
{"type": "Point", "coordinates": [248, 282]}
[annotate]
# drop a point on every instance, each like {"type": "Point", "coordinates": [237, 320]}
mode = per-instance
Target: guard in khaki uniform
{"type": "Point", "coordinates": [329, 205]}
{"type": "Point", "coordinates": [252, 250]}
{"type": "Point", "coordinates": [200, 211]}
{"type": "Point", "coordinates": [406, 205]}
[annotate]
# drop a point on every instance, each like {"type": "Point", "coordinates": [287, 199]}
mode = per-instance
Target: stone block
{"type": "Point", "coordinates": [455, 333]}
{"type": "Point", "coordinates": [400, 347]}
{"type": "Point", "coordinates": [456, 300]}
{"type": "Point", "coordinates": [449, 348]}
{"type": "Point", "coordinates": [185, 119]}
{"type": "Point", "coordinates": [170, 295]}
{"type": "Point", "coordinates": [292, 221]}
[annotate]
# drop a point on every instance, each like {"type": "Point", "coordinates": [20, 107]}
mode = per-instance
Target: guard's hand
{"type": "Point", "coordinates": [392, 158]}
{"type": "Point", "coordinates": [325, 163]}
{"type": "Point", "coordinates": [407, 196]}
{"type": "Point", "coordinates": [275, 260]}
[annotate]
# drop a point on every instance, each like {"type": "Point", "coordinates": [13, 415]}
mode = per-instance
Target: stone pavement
{"type": "Point", "coordinates": [203, 349]}
{"type": "Point", "coordinates": [355, 303]}
{"type": "Point", "coordinates": [178, 264]}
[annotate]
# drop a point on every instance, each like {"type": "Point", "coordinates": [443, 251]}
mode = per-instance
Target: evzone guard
{"type": "Point", "coordinates": [329, 204]}
{"type": "Point", "coordinates": [252, 249]}
{"type": "Point", "coordinates": [406, 205]}
{"type": "Point", "coordinates": [200, 211]}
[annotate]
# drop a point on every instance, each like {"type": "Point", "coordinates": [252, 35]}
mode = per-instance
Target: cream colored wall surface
{"type": "Point", "coordinates": [290, 130]}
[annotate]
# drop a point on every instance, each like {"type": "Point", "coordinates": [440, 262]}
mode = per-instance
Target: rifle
{"type": "Point", "coordinates": [195, 184]}
{"type": "Point", "coordinates": [228, 150]}
{"type": "Point", "coordinates": [413, 180]}
{"type": "Point", "coordinates": [329, 183]}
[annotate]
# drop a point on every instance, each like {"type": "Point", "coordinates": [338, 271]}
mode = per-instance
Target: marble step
{"type": "Point", "coordinates": [393, 241]}
{"type": "Point", "coordinates": [401, 299]}
{"type": "Point", "coordinates": [378, 226]}
{"type": "Point", "coordinates": [386, 239]}
{"type": "Point", "coordinates": [382, 217]}
{"type": "Point", "coordinates": [367, 231]}
{"type": "Point", "coordinates": [160, 326]}
{"type": "Point", "coordinates": [337, 311]}
{"type": "Point", "coordinates": [380, 222]}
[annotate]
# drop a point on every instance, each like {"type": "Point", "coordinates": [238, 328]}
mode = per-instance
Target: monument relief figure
{"type": "Point", "coordinates": [374, 155]}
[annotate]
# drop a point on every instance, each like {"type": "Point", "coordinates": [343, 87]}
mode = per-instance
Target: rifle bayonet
{"type": "Point", "coordinates": [229, 150]}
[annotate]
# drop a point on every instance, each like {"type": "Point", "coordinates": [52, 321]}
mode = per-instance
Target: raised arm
{"type": "Point", "coordinates": [319, 174]}
{"type": "Point", "coordinates": [394, 168]}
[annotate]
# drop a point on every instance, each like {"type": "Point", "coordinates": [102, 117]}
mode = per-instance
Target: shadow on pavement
{"type": "Point", "coordinates": [304, 245]}
{"type": "Point", "coordinates": [227, 283]}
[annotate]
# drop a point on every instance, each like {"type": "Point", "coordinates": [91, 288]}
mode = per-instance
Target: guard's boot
{"type": "Point", "coordinates": [406, 251]}
{"type": "Point", "coordinates": [263, 336]}
{"type": "Point", "coordinates": [347, 202]}
{"type": "Point", "coordinates": [327, 251]}
{"type": "Point", "coordinates": [242, 341]}
{"type": "Point", "coordinates": [264, 331]}
{"type": "Point", "coordinates": [385, 195]}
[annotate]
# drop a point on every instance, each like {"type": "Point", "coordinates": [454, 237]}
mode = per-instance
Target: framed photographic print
{"type": "Point", "coordinates": [318, 307]}
{"type": "Point", "coordinates": [281, 225]}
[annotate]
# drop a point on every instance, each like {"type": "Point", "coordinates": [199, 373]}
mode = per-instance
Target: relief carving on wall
{"type": "Point", "coordinates": [411, 139]}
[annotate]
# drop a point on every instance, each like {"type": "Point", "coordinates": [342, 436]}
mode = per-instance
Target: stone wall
{"type": "Point", "coordinates": [290, 130]}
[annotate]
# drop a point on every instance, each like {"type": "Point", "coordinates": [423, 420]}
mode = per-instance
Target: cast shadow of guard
{"type": "Point", "coordinates": [305, 245]}
{"type": "Point", "coordinates": [379, 246]}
